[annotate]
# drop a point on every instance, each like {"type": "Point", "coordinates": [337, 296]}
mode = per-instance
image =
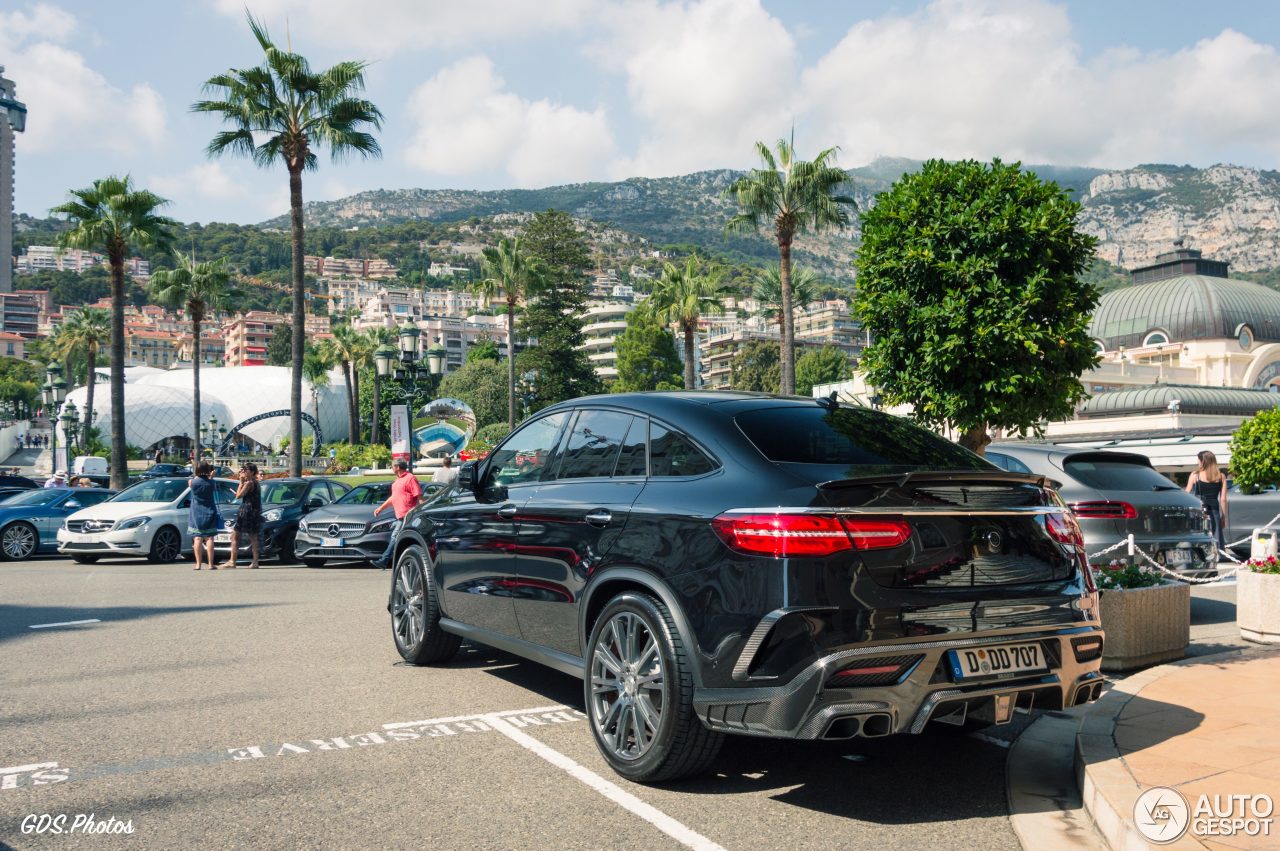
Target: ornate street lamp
{"type": "Point", "coordinates": [435, 358]}
{"type": "Point", "coordinates": [383, 359]}
{"type": "Point", "coordinates": [54, 392]}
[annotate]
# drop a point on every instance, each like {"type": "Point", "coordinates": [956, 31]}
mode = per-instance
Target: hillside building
{"type": "Point", "coordinates": [602, 322]}
{"type": "Point", "coordinates": [247, 335]}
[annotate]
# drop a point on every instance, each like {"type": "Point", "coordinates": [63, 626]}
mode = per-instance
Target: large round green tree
{"type": "Point", "coordinates": [969, 282]}
{"type": "Point", "coordinates": [282, 112]}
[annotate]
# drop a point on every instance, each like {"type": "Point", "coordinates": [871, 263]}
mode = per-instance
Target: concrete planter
{"type": "Point", "coordinates": [1258, 606]}
{"type": "Point", "coordinates": [1146, 626]}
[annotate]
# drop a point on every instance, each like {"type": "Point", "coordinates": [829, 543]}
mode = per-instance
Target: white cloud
{"type": "Point", "coordinates": [708, 79]}
{"type": "Point", "coordinates": [206, 180]}
{"type": "Point", "coordinates": [385, 27]}
{"type": "Point", "coordinates": [467, 122]}
{"type": "Point", "coordinates": [983, 78]}
{"type": "Point", "coordinates": [71, 106]}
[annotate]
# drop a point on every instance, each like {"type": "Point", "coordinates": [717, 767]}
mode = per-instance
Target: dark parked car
{"type": "Point", "coordinates": [160, 471]}
{"type": "Point", "coordinates": [1115, 494]}
{"type": "Point", "coordinates": [284, 503]}
{"type": "Point", "coordinates": [347, 530]}
{"type": "Point", "coordinates": [715, 563]}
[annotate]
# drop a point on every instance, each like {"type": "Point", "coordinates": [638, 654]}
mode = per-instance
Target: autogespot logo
{"type": "Point", "coordinates": [1162, 815]}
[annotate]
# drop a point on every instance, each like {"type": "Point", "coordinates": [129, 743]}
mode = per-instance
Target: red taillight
{"type": "Point", "coordinates": [1105, 510]}
{"type": "Point", "coordinates": [1063, 529]}
{"type": "Point", "coordinates": [784, 535]}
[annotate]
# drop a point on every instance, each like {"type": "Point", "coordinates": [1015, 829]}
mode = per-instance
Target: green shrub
{"type": "Point", "coordinates": [1255, 451]}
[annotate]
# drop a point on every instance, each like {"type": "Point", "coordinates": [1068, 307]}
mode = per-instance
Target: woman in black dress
{"type": "Point", "coordinates": [1210, 485]}
{"type": "Point", "coordinates": [249, 517]}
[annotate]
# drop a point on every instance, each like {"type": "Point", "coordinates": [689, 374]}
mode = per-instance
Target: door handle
{"type": "Point", "coordinates": [599, 517]}
{"type": "Point", "coordinates": [507, 512]}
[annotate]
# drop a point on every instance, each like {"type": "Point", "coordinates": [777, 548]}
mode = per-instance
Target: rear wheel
{"type": "Point", "coordinates": [415, 612]}
{"type": "Point", "coordinates": [166, 546]}
{"type": "Point", "coordinates": [18, 541]}
{"type": "Point", "coordinates": [639, 693]}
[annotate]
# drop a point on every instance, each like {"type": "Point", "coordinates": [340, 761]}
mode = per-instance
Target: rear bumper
{"type": "Point", "coordinates": [806, 708]}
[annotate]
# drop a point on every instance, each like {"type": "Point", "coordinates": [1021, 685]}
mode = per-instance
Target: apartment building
{"type": "Point", "coordinates": [602, 323]}
{"type": "Point", "coordinates": [347, 294]}
{"type": "Point", "coordinates": [821, 324]}
{"type": "Point", "coordinates": [213, 347]}
{"type": "Point", "coordinates": [342, 267]}
{"type": "Point", "coordinates": [457, 335]}
{"type": "Point", "coordinates": [13, 345]}
{"type": "Point", "coordinates": [20, 312]}
{"type": "Point", "coordinates": [247, 335]}
{"type": "Point", "coordinates": [50, 258]}
{"type": "Point", "coordinates": [145, 347]}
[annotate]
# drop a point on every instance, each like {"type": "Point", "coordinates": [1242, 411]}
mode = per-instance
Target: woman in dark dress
{"type": "Point", "coordinates": [249, 517]}
{"type": "Point", "coordinates": [204, 522]}
{"type": "Point", "coordinates": [1210, 485]}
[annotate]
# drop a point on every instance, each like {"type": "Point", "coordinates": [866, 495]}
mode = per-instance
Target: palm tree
{"type": "Point", "coordinates": [199, 289]}
{"type": "Point", "coordinates": [343, 348]}
{"type": "Point", "coordinates": [508, 270]}
{"type": "Point", "coordinates": [682, 295]}
{"type": "Point", "coordinates": [767, 289]}
{"type": "Point", "coordinates": [83, 334]}
{"type": "Point", "coordinates": [793, 195]}
{"type": "Point", "coordinates": [116, 217]}
{"type": "Point", "coordinates": [282, 111]}
{"type": "Point", "coordinates": [315, 369]}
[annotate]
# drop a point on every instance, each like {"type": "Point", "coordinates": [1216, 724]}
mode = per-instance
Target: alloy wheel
{"type": "Point", "coordinates": [408, 602]}
{"type": "Point", "coordinates": [628, 687]}
{"type": "Point", "coordinates": [167, 545]}
{"type": "Point", "coordinates": [18, 542]}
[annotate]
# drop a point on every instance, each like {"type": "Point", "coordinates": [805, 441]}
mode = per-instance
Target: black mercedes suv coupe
{"type": "Point", "coordinates": [713, 563]}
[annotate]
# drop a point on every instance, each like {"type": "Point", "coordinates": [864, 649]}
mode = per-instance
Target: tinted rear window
{"type": "Point", "coordinates": [868, 440]}
{"type": "Point", "coordinates": [1110, 475]}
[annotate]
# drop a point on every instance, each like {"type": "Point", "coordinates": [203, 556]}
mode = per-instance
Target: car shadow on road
{"type": "Point", "coordinates": [18, 621]}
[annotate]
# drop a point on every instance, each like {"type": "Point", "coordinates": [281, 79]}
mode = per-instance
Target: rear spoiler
{"type": "Point", "coordinates": [977, 477]}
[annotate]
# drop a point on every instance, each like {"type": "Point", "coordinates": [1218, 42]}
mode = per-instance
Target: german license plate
{"type": "Point", "coordinates": [997, 660]}
{"type": "Point", "coordinates": [1178, 556]}
{"type": "Point", "coordinates": [222, 538]}
{"type": "Point", "coordinates": [332, 542]}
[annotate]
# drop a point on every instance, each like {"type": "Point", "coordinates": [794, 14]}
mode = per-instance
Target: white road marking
{"type": "Point", "coordinates": [479, 716]}
{"type": "Point", "coordinates": [23, 769]}
{"type": "Point", "coordinates": [64, 623]}
{"type": "Point", "coordinates": [684, 835]}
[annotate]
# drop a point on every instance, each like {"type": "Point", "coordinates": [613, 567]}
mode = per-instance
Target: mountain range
{"type": "Point", "coordinates": [1229, 212]}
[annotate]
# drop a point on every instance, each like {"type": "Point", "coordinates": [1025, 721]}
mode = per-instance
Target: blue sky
{"type": "Point", "coordinates": [516, 93]}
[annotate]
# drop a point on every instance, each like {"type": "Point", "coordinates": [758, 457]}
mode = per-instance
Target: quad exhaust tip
{"type": "Point", "coordinates": [867, 726]}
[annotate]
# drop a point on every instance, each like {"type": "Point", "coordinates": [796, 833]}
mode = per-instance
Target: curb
{"type": "Point", "coordinates": [1107, 788]}
{"type": "Point", "coordinates": [1045, 810]}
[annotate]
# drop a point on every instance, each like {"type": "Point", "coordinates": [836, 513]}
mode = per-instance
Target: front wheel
{"type": "Point", "coordinates": [415, 612]}
{"type": "Point", "coordinates": [166, 546]}
{"type": "Point", "coordinates": [639, 693]}
{"type": "Point", "coordinates": [18, 541]}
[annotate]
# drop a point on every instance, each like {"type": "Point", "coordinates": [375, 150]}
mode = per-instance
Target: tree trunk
{"type": "Point", "coordinates": [91, 356]}
{"type": "Point", "coordinates": [511, 365]}
{"type": "Point", "coordinates": [375, 432]}
{"type": "Point", "coordinates": [299, 321]}
{"type": "Point", "coordinates": [975, 439]}
{"type": "Point", "coordinates": [353, 428]}
{"type": "Point", "coordinates": [119, 452]}
{"type": "Point", "coordinates": [355, 399]}
{"type": "Point", "coordinates": [787, 355]}
{"type": "Point", "coordinates": [195, 384]}
{"type": "Point", "coordinates": [690, 375]}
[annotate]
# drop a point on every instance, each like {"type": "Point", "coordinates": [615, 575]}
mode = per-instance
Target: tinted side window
{"type": "Point", "coordinates": [525, 454]}
{"type": "Point", "coordinates": [92, 498]}
{"type": "Point", "coordinates": [673, 454]}
{"type": "Point", "coordinates": [1007, 462]}
{"type": "Point", "coordinates": [320, 491]}
{"type": "Point", "coordinates": [594, 444]}
{"type": "Point", "coordinates": [224, 492]}
{"type": "Point", "coordinates": [631, 460]}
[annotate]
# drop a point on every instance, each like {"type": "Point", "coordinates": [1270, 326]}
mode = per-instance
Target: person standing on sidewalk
{"type": "Point", "coordinates": [249, 516]}
{"type": "Point", "coordinates": [1210, 485]}
{"type": "Point", "coordinates": [405, 494]}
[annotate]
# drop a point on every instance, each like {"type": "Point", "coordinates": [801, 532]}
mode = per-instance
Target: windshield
{"type": "Point", "coordinates": [372, 494]}
{"type": "Point", "coordinates": [863, 441]}
{"type": "Point", "coordinates": [156, 490]}
{"type": "Point", "coordinates": [45, 496]}
{"type": "Point", "coordinates": [282, 493]}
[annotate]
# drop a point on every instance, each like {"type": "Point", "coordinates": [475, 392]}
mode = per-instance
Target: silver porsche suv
{"type": "Point", "coordinates": [1115, 494]}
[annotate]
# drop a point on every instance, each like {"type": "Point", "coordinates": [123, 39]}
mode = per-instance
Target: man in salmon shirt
{"type": "Point", "coordinates": [405, 494]}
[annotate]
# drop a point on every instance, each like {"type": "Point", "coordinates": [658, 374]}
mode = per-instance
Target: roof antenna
{"type": "Point", "coordinates": [831, 401]}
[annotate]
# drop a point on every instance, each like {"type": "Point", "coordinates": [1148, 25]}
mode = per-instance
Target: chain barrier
{"type": "Point", "coordinates": [1137, 550]}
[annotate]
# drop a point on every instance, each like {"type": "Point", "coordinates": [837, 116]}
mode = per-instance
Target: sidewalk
{"type": "Point", "coordinates": [1206, 726]}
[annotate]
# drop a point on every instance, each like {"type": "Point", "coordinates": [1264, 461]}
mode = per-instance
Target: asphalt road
{"type": "Point", "coordinates": [138, 716]}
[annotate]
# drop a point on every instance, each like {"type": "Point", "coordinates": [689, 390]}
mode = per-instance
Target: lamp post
{"type": "Point", "coordinates": [71, 425]}
{"type": "Point", "coordinates": [54, 393]}
{"type": "Point", "coordinates": [408, 367]}
{"type": "Point", "coordinates": [383, 357]}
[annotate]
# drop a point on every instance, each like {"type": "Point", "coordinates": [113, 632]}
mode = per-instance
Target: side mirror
{"type": "Point", "coordinates": [314, 502]}
{"type": "Point", "coordinates": [71, 503]}
{"type": "Point", "coordinates": [467, 477]}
